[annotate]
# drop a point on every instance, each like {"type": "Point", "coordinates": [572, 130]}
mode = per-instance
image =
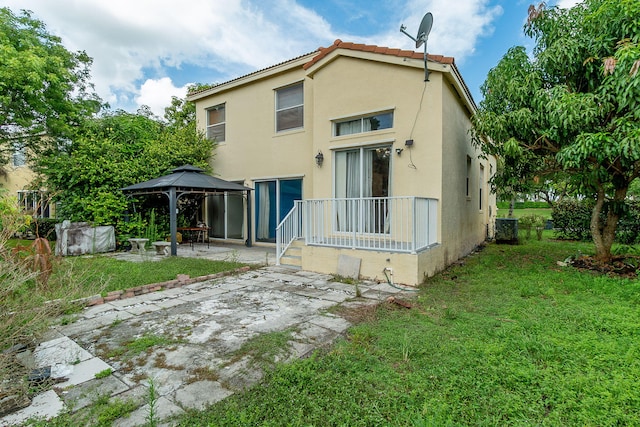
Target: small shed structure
{"type": "Point", "coordinates": [183, 181]}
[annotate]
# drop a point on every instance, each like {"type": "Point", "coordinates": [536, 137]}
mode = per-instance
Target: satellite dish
{"type": "Point", "coordinates": [424, 29]}
{"type": "Point", "coordinates": [421, 38]}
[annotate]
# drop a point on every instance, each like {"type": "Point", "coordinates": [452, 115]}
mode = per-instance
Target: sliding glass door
{"type": "Point", "coordinates": [274, 200]}
{"type": "Point", "coordinates": [362, 173]}
{"type": "Point", "coordinates": [226, 215]}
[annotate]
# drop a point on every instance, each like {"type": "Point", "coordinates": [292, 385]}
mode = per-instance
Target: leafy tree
{"type": "Point", "coordinates": [112, 152]}
{"type": "Point", "coordinates": [572, 109]}
{"type": "Point", "coordinates": [44, 88]}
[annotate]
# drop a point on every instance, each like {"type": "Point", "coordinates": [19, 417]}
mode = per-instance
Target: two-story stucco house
{"type": "Point", "coordinates": [351, 152]}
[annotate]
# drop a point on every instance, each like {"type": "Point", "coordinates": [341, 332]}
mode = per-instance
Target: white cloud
{"type": "Point", "coordinates": [132, 42]}
{"type": "Point", "coordinates": [156, 94]}
{"type": "Point", "coordinates": [457, 25]}
{"type": "Point", "coordinates": [565, 4]}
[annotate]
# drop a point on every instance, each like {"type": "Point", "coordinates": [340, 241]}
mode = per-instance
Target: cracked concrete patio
{"type": "Point", "coordinates": [198, 329]}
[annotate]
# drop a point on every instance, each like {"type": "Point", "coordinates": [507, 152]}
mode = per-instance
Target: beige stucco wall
{"type": "Point", "coordinates": [349, 87]}
{"type": "Point", "coordinates": [464, 224]}
{"type": "Point", "coordinates": [253, 150]}
{"type": "Point", "coordinates": [16, 178]}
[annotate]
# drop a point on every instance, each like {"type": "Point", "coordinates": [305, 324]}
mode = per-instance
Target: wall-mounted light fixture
{"type": "Point", "coordinates": [399, 151]}
{"type": "Point", "coordinates": [319, 158]}
{"type": "Point", "coordinates": [408, 142]}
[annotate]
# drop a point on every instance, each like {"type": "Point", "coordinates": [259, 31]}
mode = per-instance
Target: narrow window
{"type": "Point", "coordinates": [364, 124]}
{"type": "Point", "coordinates": [289, 107]}
{"type": "Point", "coordinates": [481, 185]}
{"type": "Point", "coordinates": [468, 176]}
{"type": "Point", "coordinates": [216, 123]}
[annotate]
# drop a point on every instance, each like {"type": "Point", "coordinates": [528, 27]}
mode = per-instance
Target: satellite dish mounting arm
{"type": "Point", "coordinates": [402, 30]}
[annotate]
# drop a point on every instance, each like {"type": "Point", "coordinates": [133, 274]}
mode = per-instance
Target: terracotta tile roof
{"type": "Point", "coordinates": [322, 52]}
{"type": "Point", "coordinates": [250, 74]}
{"type": "Point", "coordinates": [339, 44]}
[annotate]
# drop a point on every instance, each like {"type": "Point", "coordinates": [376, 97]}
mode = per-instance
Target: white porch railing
{"type": "Point", "coordinates": [288, 230]}
{"type": "Point", "coordinates": [397, 224]}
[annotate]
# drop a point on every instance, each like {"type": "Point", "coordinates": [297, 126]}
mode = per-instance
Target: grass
{"type": "Point", "coordinates": [518, 213]}
{"type": "Point", "coordinates": [265, 349]}
{"type": "Point", "coordinates": [78, 277]}
{"type": "Point", "coordinates": [111, 274]}
{"type": "Point", "coordinates": [134, 347]}
{"type": "Point", "coordinates": [102, 413]}
{"type": "Point", "coordinates": [506, 337]}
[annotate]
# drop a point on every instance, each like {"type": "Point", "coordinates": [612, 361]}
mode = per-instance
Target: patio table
{"type": "Point", "coordinates": [189, 233]}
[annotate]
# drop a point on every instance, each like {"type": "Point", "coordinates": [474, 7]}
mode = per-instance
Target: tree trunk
{"type": "Point", "coordinates": [604, 234]}
{"type": "Point", "coordinates": [512, 204]}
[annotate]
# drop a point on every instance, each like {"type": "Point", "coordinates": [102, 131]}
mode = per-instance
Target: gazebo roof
{"type": "Point", "coordinates": [185, 178]}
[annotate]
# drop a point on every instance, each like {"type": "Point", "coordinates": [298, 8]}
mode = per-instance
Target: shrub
{"type": "Point", "coordinates": [572, 221]}
{"type": "Point", "coordinates": [44, 227]}
{"type": "Point", "coordinates": [629, 225]}
{"type": "Point", "coordinates": [531, 222]}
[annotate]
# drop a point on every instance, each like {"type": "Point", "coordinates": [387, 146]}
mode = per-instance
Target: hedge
{"type": "Point", "coordinates": [572, 220]}
{"type": "Point", "coordinates": [523, 205]}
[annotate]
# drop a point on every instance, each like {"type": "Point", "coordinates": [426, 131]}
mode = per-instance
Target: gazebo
{"type": "Point", "coordinates": [186, 180]}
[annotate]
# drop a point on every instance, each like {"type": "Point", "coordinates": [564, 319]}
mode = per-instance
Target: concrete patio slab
{"type": "Point", "coordinates": [199, 394]}
{"type": "Point", "coordinates": [195, 333]}
{"type": "Point", "coordinates": [46, 406]}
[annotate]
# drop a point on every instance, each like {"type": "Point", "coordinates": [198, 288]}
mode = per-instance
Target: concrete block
{"type": "Point", "coordinates": [349, 266]}
{"type": "Point", "coordinates": [59, 351]}
{"type": "Point", "coordinates": [83, 371]}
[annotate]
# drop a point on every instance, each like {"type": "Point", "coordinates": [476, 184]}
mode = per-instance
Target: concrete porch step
{"type": "Point", "coordinates": [292, 257]}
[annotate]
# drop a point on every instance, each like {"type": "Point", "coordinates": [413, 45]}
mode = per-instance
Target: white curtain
{"type": "Point", "coordinates": [353, 174]}
{"type": "Point", "coordinates": [354, 178]}
{"type": "Point", "coordinates": [264, 210]}
{"type": "Point", "coordinates": [367, 172]}
{"type": "Point", "coordinates": [349, 128]}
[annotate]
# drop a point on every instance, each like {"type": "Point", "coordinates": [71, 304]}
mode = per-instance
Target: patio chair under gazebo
{"type": "Point", "coordinates": [183, 181]}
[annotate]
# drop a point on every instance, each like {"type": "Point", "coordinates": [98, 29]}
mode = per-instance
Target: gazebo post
{"type": "Point", "coordinates": [173, 220]}
{"type": "Point", "coordinates": [248, 241]}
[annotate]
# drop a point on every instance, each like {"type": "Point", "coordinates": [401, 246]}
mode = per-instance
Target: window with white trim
{"type": "Point", "coordinates": [364, 124]}
{"type": "Point", "coordinates": [290, 107]}
{"type": "Point", "coordinates": [216, 123]}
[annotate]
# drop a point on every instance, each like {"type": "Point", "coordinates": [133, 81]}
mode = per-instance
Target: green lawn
{"type": "Point", "coordinates": [506, 338]}
{"type": "Point", "coordinates": [77, 277]}
{"type": "Point", "coordinates": [104, 273]}
{"type": "Point", "coordinates": [518, 213]}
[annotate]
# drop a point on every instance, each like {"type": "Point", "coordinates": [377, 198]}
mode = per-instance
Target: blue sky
{"type": "Point", "coordinates": [146, 51]}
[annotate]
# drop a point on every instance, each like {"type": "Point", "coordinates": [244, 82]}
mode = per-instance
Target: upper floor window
{"type": "Point", "coordinates": [216, 123]}
{"type": "Point", "coordinates": [289, 107]}
{"type": "Point", "coordinates": [19, 157]}
{"type": "Point", "coordinates": [364, 124]}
